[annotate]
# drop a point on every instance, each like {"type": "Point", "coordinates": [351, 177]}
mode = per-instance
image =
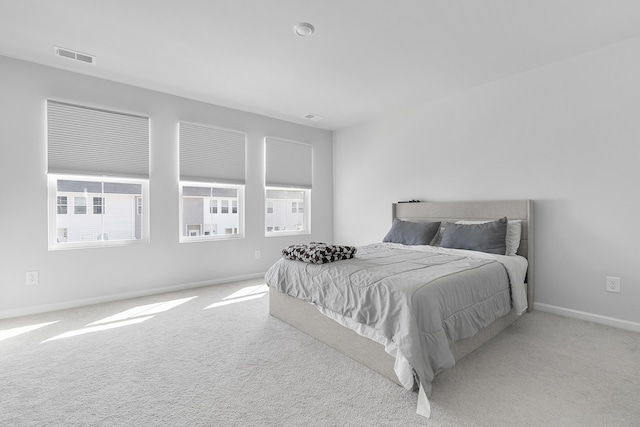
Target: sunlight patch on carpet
{"type": "Point", "coordinates": [98, 328]}
{"type": "Point", "coordinates": [249, 290]}
{"type": "Point", "coordinates": [244, 294]}
{"type": "Point", "coordinates": [128, 317]}
{"type": "Point", "coordinates": [143, 310]}
{"type": "Point", "coordinates": [14, 332]}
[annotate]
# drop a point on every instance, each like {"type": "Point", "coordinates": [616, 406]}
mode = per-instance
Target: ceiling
{"type": "Point", "coordinates": [366, 57]}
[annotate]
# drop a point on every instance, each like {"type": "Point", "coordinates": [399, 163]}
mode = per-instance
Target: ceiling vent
{"type": "Point", "coordinates": [68, 53]}
{"type": "Point", "coordinates": [312, 117]}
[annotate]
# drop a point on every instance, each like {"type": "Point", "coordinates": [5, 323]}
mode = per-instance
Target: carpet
{"type": "Point", "coordinates": [214, 357]}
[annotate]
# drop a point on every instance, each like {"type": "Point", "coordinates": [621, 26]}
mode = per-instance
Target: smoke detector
{"type": "Point", "coordinates": [303, 29]}
{"type": "Point", "coordinates": [72, 54]}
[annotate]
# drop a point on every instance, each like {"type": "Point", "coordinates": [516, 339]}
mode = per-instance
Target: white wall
{"type": "Point", "coordinates": [73, 277]}
{"type": "Point", "coordinates": [566, 135]}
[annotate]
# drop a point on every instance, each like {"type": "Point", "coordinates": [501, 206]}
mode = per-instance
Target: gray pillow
{"type": "Point", "coordinates": [488, 237]}
{"type": "Point", "coordinates": [411, 233]}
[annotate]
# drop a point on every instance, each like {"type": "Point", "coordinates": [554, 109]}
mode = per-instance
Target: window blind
{"type": "Point", "coordinates": [288, 164]}
{"type": "Point", "coordinates": [212, 155]}
{"type": "Point", "coordinates": [90, 141]}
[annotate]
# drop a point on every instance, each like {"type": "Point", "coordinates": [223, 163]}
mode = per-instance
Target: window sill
{"type": "Point", "coordinates": [287, 233]}
{"type": "Point", "coordinates": [217, 238]}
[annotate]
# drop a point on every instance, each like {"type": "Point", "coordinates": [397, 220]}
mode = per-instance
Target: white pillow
{"type": "Point", "coordinates": [514, 231]}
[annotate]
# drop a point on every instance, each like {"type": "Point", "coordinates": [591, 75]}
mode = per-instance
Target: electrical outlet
{"type": "Point", "coordinates": [613, 284]}
{"type": "Point", "coordinates": [33, 277]}
{"type": "Point", "coordinates": [258, 254]}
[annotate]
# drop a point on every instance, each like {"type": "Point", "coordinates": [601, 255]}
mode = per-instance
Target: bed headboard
{"type": "Point", "coordinates": [478, 210]}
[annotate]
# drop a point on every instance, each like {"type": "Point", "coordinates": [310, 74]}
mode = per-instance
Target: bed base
{"type": "Point", "coordinates": [308, 319]}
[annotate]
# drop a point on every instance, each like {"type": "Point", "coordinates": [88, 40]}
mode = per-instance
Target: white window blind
{"type": "Point", "coordinates": [288, 164]}
{"type": "Point", "coordinates": [90, 141]}
{"type": "Point", "coordinates": [212, 155]}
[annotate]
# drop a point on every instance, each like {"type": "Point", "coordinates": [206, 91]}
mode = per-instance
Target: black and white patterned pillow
{"type": "Point", "coordinates": [318, 253]}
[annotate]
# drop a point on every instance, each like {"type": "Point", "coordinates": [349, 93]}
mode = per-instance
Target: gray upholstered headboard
{"type": "Point", "coordinates": [478, 210]}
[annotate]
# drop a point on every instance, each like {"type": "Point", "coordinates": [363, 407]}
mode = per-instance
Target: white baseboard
{"type": "Point", "coordinates": [590, 317]}
{"type": "Point", "coordinates": [6, 314]}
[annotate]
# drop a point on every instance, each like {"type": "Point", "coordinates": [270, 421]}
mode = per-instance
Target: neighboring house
{"type": "Point", "coordinates": [210, 216]}
{"type": "Point", "coordinates": [86, 211]}
{"type": "Point", "coordinates": [218, 215]}
{"type": "Point", "coordinates": [285, 210]}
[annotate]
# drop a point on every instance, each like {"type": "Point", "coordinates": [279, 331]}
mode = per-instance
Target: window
{"type": "Point", "coordinates": [212, 177]}
{"type": "Point", "coordinates": [79, 205]}
{"type": "Point", "coordinates": [288, 178]}
{"type": "Point", "coordinates": [284, 218]}
{"type": "Point", "coordinates": [117, 225]}
{"type": "Point", "coordinates": [200, 220]}
{"type": "Point", "coordinates": [297, 207]}
{"type": "Point", "coordinates": [98, 205]}
{"type": "Point", "coordinates": [62, 205]}
{"type": "Point", "coordinates": [96, 158]}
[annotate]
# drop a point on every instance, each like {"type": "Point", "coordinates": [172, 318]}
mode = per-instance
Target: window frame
{"type": "Point", "coordinates": [53, 230]}
{"type": "Point", "coordinates": [306, 213]}
{"type": "Point", "coordinates": [212, 237]}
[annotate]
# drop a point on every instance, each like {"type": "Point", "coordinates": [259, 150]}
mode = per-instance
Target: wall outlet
{"type": "Point", "coordinates": [258, 254]}
{"type": "Point", "coordinates": [33, 278]}
{"type": "Point", "coordinates": [613, 284]}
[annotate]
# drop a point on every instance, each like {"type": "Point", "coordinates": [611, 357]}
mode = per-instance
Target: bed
{"type": "Point", "coordinates": [356, 331]}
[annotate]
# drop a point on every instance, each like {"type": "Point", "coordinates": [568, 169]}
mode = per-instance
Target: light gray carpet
{"type": "Point", "coordinates": [235, 365]}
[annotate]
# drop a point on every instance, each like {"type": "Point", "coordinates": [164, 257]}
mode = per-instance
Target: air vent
{"type": "Point", "coordinates": [68, 53]}
{"type": "Point", "coordinates": [313, 117]}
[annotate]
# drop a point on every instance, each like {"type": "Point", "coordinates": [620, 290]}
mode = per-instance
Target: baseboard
{"type": "Point", "coordinates": [6, 314]}
{"type": "Point", "coordinates": [590, 317]}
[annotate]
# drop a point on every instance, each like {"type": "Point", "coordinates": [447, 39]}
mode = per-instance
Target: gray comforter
{"type": "Point", "coordinates": [422, 301]}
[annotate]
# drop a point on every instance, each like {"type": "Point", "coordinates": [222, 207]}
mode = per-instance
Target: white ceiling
{"type": "Point", "coordinates": [366, 57]}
